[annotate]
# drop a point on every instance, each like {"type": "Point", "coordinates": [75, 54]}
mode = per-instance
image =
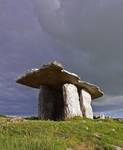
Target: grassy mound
{"type": "Point", "coordinates": [74, 134]}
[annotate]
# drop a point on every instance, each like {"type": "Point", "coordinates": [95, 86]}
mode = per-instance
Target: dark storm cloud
{"type": "Point", "coordinates": [22, 45]}
{"type": "Point", "coordinates": [110, 105]}
{"type": "Point", "coordinates": [112, 102]}
{"type": "Point", "coordinates": [91, 27]}
{"type": "Point", "coordinates": [86, 36]}
{"type": "Point", "coordinates": [88, 24]}
{"type": "Point", "coordinates": [93, 33]}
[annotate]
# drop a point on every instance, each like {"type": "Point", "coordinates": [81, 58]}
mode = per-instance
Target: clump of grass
{"type": "Point", "coordinates": [74, 134]}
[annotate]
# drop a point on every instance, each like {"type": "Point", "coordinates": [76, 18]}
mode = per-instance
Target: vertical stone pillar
{"type": "Point", "coordinates": [50, 104]}
{"type": "Point", "coordinates": [45, 103]}
{"type": "Point", "coordinates": [71, 101]}
{"type": "Point", "coordinates": [85, 101]}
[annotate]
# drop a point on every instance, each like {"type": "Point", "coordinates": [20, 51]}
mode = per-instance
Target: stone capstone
{"type": "Point", "coordinates": [54, 75]}
{"type": "Point", "coordinates": [71, 101]}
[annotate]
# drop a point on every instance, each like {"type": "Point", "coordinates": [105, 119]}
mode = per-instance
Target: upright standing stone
{"type": "Point", "coordinates": [71, 101]}
{"type": "Point", "coordinates": [85, 101]}
{"type": "Point", "coordinates": [50, 105]}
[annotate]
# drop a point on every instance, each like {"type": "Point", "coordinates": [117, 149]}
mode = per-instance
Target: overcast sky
{"type": "Point", "coordinates": [85, 35]}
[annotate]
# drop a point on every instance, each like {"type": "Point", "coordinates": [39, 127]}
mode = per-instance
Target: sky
{"type": "Point", "coordinates": [85, 35]}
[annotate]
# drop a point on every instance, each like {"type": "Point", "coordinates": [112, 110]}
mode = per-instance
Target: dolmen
{"type": "Point", "coordinates": [62, 95]}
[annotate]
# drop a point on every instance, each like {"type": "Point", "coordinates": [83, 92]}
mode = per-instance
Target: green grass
{"type": "Point", "coordinates": [74, 134]}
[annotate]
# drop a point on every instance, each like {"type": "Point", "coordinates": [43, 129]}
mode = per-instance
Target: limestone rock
{"type": "Point", "coordinates": [71, 101]}
{"type": "Point", "coordinates": [85, 100]}
{"type": "Point", "coordinates": [117, 147]}
{"type": "Point", "coordinates": [54, 75]}
{"type": "Point", "coordinates": [51, 105]}
{"type": "Point", "coordinates": [102, 116]}
{"type": "Point", "coordinates": [15, 119]}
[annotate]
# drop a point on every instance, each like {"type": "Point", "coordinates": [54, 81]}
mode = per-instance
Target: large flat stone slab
{"type": "Point", "coordinates": [54, 75]}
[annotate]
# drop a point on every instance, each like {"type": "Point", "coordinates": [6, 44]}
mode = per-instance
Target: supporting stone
{"type": "Point", "coordinates": [50, 104]}
{"type": "Point", "coordinates": [85, 101]}
{"type": "Point", "coordinates": [71, 101]}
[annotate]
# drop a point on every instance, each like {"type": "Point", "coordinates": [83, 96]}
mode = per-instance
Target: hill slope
{"type": "Point", "coordinates": [75, 134]}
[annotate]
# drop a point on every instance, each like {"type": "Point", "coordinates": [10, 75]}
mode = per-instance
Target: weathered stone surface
{"type": "Point", "coordinates": [71, 101]}
{"type": "Point", "coordinates": [102, 116]}
{"type": "Point", "coordinates": [116, 147]}
{"type": "Point", "coordinates": [54, 75]}
{"type": "Point", "coordinates": [85, 101]}
{"type": "Point", "coordinates": [50, 104]}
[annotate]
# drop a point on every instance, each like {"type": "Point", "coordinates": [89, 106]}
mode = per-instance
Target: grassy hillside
{"type": "Point", "coordinates": [75, 134]}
